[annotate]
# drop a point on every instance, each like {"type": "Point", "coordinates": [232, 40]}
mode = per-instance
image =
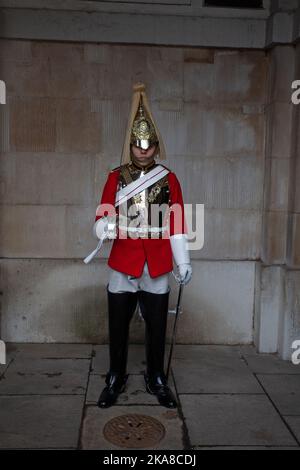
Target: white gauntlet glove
{"type": "Point", "coordinates": [100, 226]}
{"type": "Point", "coordinates": [181, 256]}
{"type": "Point", "coordinates": [106, 225]}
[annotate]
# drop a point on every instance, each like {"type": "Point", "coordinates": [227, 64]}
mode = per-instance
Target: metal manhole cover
{"type": "Point", "coordinates": [134, 430]}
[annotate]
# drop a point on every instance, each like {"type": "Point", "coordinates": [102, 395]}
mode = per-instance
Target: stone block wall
{"type": "Point", "coordinates": [232, 137]}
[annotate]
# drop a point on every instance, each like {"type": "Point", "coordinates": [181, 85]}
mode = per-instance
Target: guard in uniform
{"type": "Point", "coordinates": [145, 244]}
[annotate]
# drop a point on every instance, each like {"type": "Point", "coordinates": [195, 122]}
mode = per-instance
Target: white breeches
{"type": "Point", "coordinates": [120, 282]}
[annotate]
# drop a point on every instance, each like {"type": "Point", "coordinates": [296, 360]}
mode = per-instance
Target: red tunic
{"type": "Point", "coordinates": [129, 255]}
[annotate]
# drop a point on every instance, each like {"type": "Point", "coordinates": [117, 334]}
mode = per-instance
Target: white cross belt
{"type": "Point", "coordinates": [140, 184]}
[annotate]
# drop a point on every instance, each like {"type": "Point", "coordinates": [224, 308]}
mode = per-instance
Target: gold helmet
{"type": "Point", "coordinates": [143, 132]}
{"type": "Point", "coordinates": [141, 128]}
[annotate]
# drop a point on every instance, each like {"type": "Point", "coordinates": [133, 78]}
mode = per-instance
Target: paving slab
{"type": "Point", "coordinates": [3, 367]}
{"type": "Point", "coordinates": [135, 364]}
{"type": "Point", "coordinates": [284, 391]}
{"type": "Point", "coordinates": [10, 352]}
{"type": "Point", "coordinates": [211, 369]}
{"type": "Point", "coordinates": [51, 350]}
{"type": "Point", "coordinates": [294, 423]}
{"type": "Point", "coordinates": [221, 398]}
{"type": "Point", "coordinates": [134, 394]}
{"type": "Point", "coordinates": [40, 422]}
{"type": "Point", "coordinates": [234, 420]}
{"type": "Point", "coordinates": [261, 363]}
{"type": "Point", "coordinates": [45, 376]}
{"type": "Point", "coordinates": [227, 351]}
{"type": "Point", "coordinates": [96, 418]}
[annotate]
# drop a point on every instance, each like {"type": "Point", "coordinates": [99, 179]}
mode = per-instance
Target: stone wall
{"type": "Point", "coordinates": [279, 314]}
{"type": "Point", "coordinates": [62, 130]}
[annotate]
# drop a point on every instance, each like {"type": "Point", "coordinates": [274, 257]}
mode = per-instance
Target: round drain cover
{"type": "Point", "coordinates": [134, 430]}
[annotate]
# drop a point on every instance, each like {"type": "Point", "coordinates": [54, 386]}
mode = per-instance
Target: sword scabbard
{"type": "Point", "coordinates": [174, 328]}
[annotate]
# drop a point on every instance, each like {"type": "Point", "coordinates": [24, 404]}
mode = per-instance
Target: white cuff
{"type": "Point", "coordinates": [180, 250]}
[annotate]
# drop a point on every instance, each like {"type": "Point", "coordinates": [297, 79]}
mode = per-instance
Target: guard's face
{"type": "Point", "coordinates": [143, 156]}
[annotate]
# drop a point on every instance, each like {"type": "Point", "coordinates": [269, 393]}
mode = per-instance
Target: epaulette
{"type": "Point", "coordinates": [165, 167]}
{"type": "Point", "coordinates": [116, 168]}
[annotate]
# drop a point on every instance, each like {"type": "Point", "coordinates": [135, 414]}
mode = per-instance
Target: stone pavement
{"type": "Point", "coordinates": [229, 397]}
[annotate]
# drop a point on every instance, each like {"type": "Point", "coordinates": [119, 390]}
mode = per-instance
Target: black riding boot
{"type": "Point", "coordinates": [154, 309]}
{"type": "Point", "coordinates": [121, 307]}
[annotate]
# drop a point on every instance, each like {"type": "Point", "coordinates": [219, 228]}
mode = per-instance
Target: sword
{"type": "Point", "coordinates": [177, 310]}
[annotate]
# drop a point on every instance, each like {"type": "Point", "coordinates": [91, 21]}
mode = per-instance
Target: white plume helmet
{"type": "Point", "coordinates": [139, 96]}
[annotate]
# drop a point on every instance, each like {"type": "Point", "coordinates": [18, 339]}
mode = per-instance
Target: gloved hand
{"type": "Point", "coordinates": [181, 256]}
{"type": "Point", "coordinates": [105, 226]}
{"type": "Point", "coordinates": [100, 226]}
{"type": "Point", "coordinates": [185, 272]}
